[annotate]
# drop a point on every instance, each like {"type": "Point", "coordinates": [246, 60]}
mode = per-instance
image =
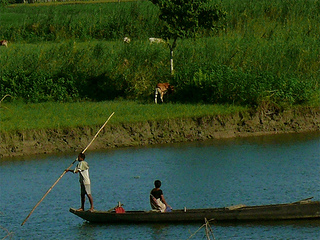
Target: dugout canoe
{"type": "Point", "coordinates": [304, 209]}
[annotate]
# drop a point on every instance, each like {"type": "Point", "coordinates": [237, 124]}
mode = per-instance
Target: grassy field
{"type": "Point", "coordinates": [21, 116]}
{"type": "Point", "coordinates": [267, 54]}
{"type": "Point", "coordinates": [267, 51]}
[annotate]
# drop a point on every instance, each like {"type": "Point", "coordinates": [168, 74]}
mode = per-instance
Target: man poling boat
{"type": "Point", "coordinates": [65, 171]}
{"type": "Point", "coordinates": [82, 169]}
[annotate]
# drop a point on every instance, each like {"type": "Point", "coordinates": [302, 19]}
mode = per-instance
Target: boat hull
{"type": "Point", "coordinates": [291, 211]}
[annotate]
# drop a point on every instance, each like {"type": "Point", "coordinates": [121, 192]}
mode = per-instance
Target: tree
{"type": "Point", "coordinates": [186, 19]}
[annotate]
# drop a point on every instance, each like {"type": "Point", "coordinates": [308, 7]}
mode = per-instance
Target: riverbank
{"type": "Point", "coordinates": [29, 142]}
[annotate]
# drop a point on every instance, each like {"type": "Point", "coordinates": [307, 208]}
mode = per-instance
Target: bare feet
{"type": "Point", "coordinates": [80, 209]}
{"type": "Point", "coordinates": [91, 210]}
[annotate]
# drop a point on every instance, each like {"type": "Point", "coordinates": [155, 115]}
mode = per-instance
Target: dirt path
{"type": "Point", "coordinates": [169, 131]}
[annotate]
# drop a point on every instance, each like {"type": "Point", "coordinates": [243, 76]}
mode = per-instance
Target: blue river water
{"type": "Point", "coordinates": [218, 173]}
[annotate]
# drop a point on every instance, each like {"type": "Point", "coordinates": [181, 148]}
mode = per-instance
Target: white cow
{"type": "Point", "coordinates": [127, 40]}
{"type": "Point", "coordinates": [156, 40]}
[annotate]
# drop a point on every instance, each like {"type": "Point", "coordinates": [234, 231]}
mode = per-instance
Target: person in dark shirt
{"type": "Point", "coordinates": [157, 200]}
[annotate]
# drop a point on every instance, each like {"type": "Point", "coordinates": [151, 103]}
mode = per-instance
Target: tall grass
{"type": "Point", "coordinates": [78, 21]}
{"type": "Point", "coordinates": [268, 51]}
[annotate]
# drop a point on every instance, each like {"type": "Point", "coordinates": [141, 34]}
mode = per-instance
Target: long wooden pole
{"type": "Point", "coordinates": [66, 170]}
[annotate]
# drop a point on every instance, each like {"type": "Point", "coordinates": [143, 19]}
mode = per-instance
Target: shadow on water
{"type": "Point", "coordinates": [315, 223]}
{"type": "Point", "coordinates": [241, 230]}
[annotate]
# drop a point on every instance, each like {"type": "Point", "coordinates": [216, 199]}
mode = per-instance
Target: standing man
{"type": "Point", "coordinates": [83, 169]}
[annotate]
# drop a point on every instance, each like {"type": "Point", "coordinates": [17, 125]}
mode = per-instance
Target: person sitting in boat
{"type": "Point", "coordinates": [157, 200]}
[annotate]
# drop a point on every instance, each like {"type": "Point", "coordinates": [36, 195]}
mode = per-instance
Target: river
{"type": "Point", "coordinates": [218, 173]}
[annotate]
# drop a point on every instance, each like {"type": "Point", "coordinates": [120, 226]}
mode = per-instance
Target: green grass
{"type": "Point", "coordinates": [69, 2]}
{"type": "Point", "coordinates": [21, 116]}
{"type": "Point", "coordinates": [97, 70]}
{"type": "Point", "coordinates": [268, 51]}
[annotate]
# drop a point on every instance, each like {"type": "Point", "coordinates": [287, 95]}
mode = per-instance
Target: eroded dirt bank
{"type": "Point", "coordinates": [168, 131]}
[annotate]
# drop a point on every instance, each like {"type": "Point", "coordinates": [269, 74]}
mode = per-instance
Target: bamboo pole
{"type": "Point", "coordinates": [66, 170]}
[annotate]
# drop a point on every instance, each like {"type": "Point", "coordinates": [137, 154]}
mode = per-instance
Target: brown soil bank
{"type": "Point", "coordinates": [157, 132]}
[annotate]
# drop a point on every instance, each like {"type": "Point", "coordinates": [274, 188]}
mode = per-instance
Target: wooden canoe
{"type": "Point", "coordinates": [290, 211]}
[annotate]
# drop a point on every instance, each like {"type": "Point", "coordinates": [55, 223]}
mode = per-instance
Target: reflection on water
{"type": "Point", "coordinates": [218, 173]}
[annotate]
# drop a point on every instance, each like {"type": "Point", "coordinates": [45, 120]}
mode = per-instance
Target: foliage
{"type": "Point", "coordinates": [221, 84]}
{"type": "Point", "coordinates": [30, 23]}
{"type": "Point", "coordinates": [186, 19]}
{"type": "Point", "coordinates": [268, 51]}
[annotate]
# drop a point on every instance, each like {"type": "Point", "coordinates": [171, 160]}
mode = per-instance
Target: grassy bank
{"type": "Point", "coordinates": [55, 128]}
{"type": "Point", "coordinates": [267, 52]}
{"type": "Point", "coordinates": [37, 116]}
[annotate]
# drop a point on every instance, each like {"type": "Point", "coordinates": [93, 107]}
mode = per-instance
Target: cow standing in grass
{"type": "Point", "coordinates": [162, 89]}
{"type": "Point", "coordinates": [4, 43]}
{"type": "Point", "coordinates": [156, 40]}
{"type": "Point", "coordinates": [126, 40]}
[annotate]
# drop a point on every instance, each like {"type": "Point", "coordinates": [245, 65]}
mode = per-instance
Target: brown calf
{"type": "Point", "coordinates": [162, 89]}
{"type": "Point", "coordinates": [4, 43]}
